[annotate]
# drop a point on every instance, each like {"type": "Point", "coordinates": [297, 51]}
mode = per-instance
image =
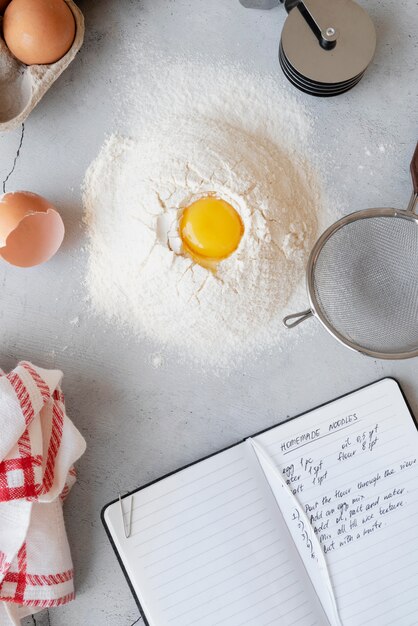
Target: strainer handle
{"type": "Point", "coordinates": [297, 317]}
{"type": "Point", "coordinates": [414, 170]}
{"type": "Point", "coordinates": [413, 203]}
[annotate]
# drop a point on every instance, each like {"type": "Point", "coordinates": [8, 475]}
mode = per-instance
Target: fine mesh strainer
{"type": "Point", "coordinates": [362, 280]}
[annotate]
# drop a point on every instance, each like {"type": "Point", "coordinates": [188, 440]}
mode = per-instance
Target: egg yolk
{"type": "Point", "coordinates": [211, 229]}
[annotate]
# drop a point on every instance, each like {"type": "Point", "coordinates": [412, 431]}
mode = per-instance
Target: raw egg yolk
{"type": "Point", "coordinates": [211, 229]}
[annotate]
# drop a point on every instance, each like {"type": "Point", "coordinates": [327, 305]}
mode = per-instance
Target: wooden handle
{"type": "Point", "coordinates": [414, 170]}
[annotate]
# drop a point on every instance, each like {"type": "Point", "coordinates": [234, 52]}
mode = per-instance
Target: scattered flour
{"type": "Point", "coordinates": [199, 129]}
{"type": "Point", "coordinates": [157, 360]}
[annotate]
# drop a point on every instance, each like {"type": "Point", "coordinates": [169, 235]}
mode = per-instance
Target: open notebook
{"type": "Point", "coordinates": [314, 521]}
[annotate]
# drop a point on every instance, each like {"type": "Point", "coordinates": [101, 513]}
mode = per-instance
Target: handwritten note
{"type": "Point", "coordinates": [353, 467]}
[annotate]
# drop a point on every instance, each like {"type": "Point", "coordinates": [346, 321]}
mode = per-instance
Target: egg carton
{"type": "Point", "coordinates": [22, 86]}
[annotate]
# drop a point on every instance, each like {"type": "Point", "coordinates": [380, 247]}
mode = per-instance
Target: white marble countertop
{"type": "Point", "coordinates": [142, 422]}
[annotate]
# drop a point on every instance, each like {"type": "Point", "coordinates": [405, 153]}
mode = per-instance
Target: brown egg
{"type": "Point", "coordinates": [3, 5]}
{"type": "Point", "coordinates": [38, 32]}
{"type": "Point", "coordinates": [31, 230]}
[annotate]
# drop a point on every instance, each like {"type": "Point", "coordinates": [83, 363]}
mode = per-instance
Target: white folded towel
{"type": "Point", "coordinates": [38, 447]}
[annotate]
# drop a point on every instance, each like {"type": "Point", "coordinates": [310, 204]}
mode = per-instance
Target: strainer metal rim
{"type": "Point", "coordinates": [315, 307]}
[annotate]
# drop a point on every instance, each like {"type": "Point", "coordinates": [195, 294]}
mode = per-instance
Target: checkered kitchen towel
{"type": "Point", "coordinates": [38, 447]}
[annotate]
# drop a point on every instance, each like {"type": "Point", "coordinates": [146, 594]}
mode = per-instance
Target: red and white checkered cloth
{"type": "Point", "coordinates": [38, 447]}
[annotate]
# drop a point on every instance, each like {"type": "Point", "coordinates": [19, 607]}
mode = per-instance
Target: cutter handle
{"type": "Point", "coordinates": [414, 170]}
{"type": "Point", "coordinates": [269, 4]}
{"type": "Point", "coordinates": [289, 4]}
{"type": "Point", "coordinates": [260, 4]}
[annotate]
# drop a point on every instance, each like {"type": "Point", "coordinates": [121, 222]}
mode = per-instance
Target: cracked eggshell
{"type": "Point", "coordinates": [23, 86]}
{"type": "Point", "coordinates": [31, 229]}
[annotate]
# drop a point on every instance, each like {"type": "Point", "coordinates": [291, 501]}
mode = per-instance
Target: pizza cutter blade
{"type": "Point", "coordinates": [326, 45]}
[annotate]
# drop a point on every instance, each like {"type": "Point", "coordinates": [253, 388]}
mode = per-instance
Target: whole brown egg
{"type": "Point", "coordinates": [38, 32]}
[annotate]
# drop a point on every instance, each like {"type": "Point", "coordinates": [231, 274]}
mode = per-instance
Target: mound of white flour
{"type": "Point", "coordinates": [205, 139]}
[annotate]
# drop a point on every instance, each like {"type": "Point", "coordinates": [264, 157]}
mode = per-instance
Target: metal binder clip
{"type": "Point", "coordinates": [127, 526]}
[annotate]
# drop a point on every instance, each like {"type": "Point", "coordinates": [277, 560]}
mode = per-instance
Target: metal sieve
{"type": "Point", "coordinates": [362, 280]}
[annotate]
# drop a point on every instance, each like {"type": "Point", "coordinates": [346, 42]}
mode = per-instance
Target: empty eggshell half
{"type": "Point", "coordinates": [31, 229]}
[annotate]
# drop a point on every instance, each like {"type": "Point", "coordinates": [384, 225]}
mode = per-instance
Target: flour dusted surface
{"type": "Point", "coordinates": [190, 146]}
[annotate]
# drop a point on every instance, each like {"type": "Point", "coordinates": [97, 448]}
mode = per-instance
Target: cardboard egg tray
{"type": "Point", "coordinates": [23, 86]}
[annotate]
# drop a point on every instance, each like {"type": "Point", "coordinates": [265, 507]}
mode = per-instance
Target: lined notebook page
{"type": "Point", "coordinates": [353, 467]}
{"type": "Point", "coordinates": [209, 547]}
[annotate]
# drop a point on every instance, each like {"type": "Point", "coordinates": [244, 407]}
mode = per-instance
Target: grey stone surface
{"type": "Point", "coordinates": [141, 422]}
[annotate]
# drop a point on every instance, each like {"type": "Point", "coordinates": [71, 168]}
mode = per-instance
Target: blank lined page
{"type": "Point", "coordinates": [352, 465]}
{"type": "Point", "coordinates": [209, 547]}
